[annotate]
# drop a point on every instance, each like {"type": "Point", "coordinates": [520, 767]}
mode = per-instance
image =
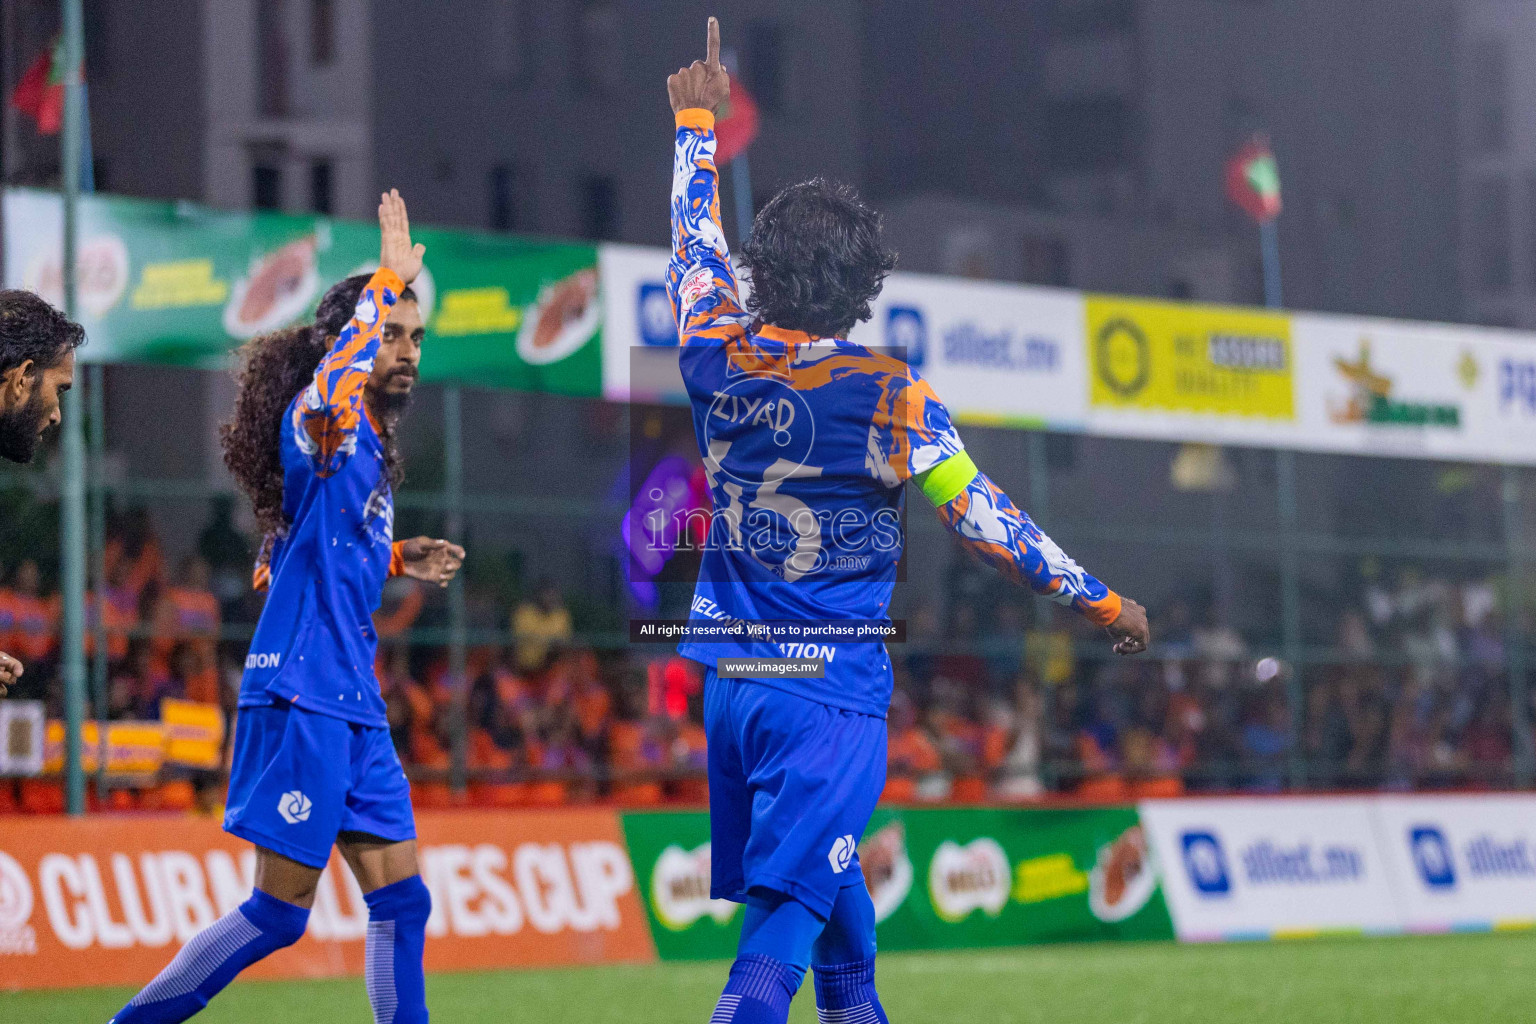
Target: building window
{"type": "Point", "coordinates": [1488, 93]}
{"type": "Point", "coordinates": [597, 56]}
{"type": "Point", "coordinates": [1046, 261]}
{"type": "Point", "coordinates": [599, 208]}
{"type": "Point", "coordinates": [266, 186]}
{"type": "Point", "coordinates": [1490, 235]}
{"type": "Point", "coordinates": [764, 57]}
{"type": "Point", "coordinates": [322, 31]}
{"type": "Point", "coordinates": [509, 42]}
{"type": "Point", "coordinates": [272, 69]}
{"type": "Point", "coordinates": [320, 186]}
{"type": "Point", "coordinates": [509, 192]}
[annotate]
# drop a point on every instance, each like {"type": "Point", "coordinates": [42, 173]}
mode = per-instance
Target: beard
{"type": "Point", "coordinates": [20, 429]}
{"type": "Point", "coordinates": [391, 404]}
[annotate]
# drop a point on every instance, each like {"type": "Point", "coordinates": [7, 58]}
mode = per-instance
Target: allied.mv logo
{"type": "Point", "coordinates": [294, 807]}
{"type": "Point", "coordinates": [1206, 864]}
{"type": "Point", "coordinates": [1432, 856]}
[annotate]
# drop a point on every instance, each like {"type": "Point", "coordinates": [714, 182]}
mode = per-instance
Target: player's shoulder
{"type": "Point", "coordinates": [839, 360]}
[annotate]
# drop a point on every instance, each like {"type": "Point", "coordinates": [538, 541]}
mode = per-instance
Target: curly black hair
{"type": "Point", "coordinates": [273, 369]}
{"type": "Point", "coordinates": [816, 259]}
{"type": "Point", "coordinates": [32, 329]}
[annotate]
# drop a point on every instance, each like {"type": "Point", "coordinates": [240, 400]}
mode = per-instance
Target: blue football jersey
{"type": "Point", "coordinates": [315, 643]}
{"type": "Point", "coordinates": [807, 443]}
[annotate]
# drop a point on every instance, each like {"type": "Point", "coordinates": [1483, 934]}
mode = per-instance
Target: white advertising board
{"type": "Point", "coordinates": [1270, 867]}
{"type": "Point", "coordinates": [1461, 862]}
{"type": "Point", "coordinates": [1125, 367]}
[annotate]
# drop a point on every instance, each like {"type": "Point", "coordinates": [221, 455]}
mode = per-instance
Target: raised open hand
{"type": "Point", "coordinates": [395, 249]}
{"type": "Point", "coordinates": [704, 83]}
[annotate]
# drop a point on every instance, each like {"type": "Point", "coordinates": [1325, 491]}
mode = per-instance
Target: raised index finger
{"type": "Point", "coordinates": [712, 48]}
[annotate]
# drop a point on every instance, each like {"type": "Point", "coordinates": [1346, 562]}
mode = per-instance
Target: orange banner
{"type": "Point", "coordinates": [108, 900]}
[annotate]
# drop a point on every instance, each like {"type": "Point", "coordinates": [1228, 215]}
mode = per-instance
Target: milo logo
{"type": "Point", "coordinates": [680, 889]}
{"type": "Point", "coordinates": [887, 868]}
{"type": "Point", "coordinates": [965, 879]}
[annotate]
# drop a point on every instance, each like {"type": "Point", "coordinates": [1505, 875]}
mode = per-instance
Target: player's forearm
{"type": "Point", "coordinates": [332, 407]}
{"type": "Point", "coordinates": [701, 280]}
{"type": "Point", "coordinates": [1003, 536]}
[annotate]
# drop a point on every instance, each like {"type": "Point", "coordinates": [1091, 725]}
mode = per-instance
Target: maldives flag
{"type": "Point", "coordinates": [735, 124]}
{"type": "Point", "coordinates": [1253, 180]}
{"type": "Point", "coordinates": [40, 93]}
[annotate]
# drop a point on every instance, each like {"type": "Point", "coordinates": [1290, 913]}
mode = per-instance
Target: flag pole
{"type": "Point", "coordinates": [72, 498]}
{"type": "Point", "coordinates": [1269, 241]}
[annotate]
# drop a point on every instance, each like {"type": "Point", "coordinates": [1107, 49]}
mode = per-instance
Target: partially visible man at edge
{"type": "Point", "coordinates": [37, 365]}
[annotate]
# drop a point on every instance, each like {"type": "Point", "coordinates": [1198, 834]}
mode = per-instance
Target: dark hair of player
{"type": "Point", "coordinates": [816, 260]}
{"type": "Point", "coordinates": [273, 369]}
{"type": "Point", "coordinates": [32, 329]}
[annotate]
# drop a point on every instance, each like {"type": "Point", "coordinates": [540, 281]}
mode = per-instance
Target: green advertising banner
{"type": "Point", "coordinates": [940, 878]}
{"type": "Point", "coordinates": [178, 283]}
{"type": "Point", "coordinates": [670, 852]}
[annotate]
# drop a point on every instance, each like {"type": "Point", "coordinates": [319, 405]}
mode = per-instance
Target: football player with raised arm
{"type": "Point", "coordinates": [809, 442]}
{"type": "Point", "coordinates": [312, 443]}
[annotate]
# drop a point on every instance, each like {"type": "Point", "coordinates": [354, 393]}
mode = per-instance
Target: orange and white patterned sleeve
{"type": "Point", "coordinates": [700, 278]}
{"type": "Point", "coordinates": [330, 411]}
{"type": "Point", "coordinates": [913, 438]}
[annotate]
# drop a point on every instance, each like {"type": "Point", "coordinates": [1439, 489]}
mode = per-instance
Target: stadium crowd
{"type": "Point", "coordinates": [989, 704]}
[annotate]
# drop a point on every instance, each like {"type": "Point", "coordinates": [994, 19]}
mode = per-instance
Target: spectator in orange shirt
{"type": "Point", "coordinates": [912, 758]}
{"type": "Point", "coordinates": [134, 546]}
{"type": "Point", "coordinates": [34, 635]}
{"type": "Point", "coordinates": [187, 612]}
{"type": "Point", "coordinates": [400, 608]}
{"type": "Point", "coordinates": [194, 670]}
{"type": "Point", "coordinates": [120, 615]}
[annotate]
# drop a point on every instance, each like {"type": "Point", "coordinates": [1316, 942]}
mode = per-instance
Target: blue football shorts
{"type": "Point", "coordinates": [300, 778]}
{"type": "Point", "coordinates": [792, 785]}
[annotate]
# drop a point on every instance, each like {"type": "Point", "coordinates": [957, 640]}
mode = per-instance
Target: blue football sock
{"type": "Point", "coordinates": [844, 958]}
{"type": "Point", "coordinates": [758, 991]}
{"type": "Point", "coordinates": [397, 931]}
{"type": "Point", "coordinates": [776, 937]}
{"type": "Point", "coordinates": [257, 928]}
{"type": "Point", "coordinates": [779, 928]}
{"type": "Point", "coordinates": [845, 994]}
{"type": "Point", "coordinates": [849, 936]}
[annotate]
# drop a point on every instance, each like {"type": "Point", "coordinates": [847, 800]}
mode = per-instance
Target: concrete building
{"type": "Point", "coordinates": [1077, 142]}
{"type": "Point", "coordinates": [1071, 124]}
{"type": "Point", "coordinates": [1497, 208]}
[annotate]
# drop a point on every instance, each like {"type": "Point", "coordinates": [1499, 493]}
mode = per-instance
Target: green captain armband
{"type": "Point", "coordinates": [944, 482]}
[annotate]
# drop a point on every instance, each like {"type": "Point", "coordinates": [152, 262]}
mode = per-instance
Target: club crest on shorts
{"type": "Point", "coordinates": [841, 854]}
{"type": "Point", "coordinates": [294, 807]}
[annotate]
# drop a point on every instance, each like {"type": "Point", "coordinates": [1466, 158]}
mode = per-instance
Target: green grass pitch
{"type": "Point", "coordinates": [1453, 979]}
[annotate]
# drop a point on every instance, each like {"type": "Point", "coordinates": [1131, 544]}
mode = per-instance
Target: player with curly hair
{"type": "Point", "coordinates": [808, 441]}
{"type": "Point", "coordinates": [312, 444]}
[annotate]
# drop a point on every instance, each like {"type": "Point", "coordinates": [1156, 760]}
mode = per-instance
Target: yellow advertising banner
{"type": "Point", "coordinates": [194, 733]}
{"type": "Point", "coordinates": [133, 748]}
{"type": "Point", "coordinates": [1170, 357]}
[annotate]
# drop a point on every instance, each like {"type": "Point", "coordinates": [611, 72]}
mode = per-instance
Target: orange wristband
{"type": "Point", "coordinates": [696, 118]}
